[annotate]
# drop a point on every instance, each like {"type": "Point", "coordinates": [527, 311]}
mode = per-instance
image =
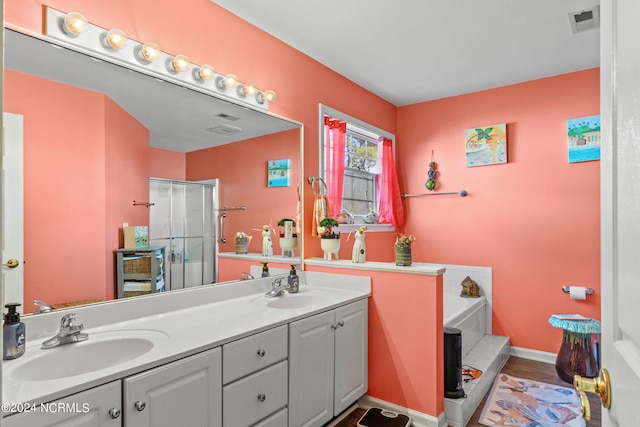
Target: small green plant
{"type": "Point", "coordinates": [328, 224]}
{"type": "Point", "coordinates": [283, 220]}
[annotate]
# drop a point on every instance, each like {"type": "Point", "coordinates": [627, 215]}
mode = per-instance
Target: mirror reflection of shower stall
{"type": "Point", "coordinates": [182, 219]}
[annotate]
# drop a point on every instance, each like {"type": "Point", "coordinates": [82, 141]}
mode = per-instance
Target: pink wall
{"type": "Point", "coordinates": [63, 185]}
{"type": "Point", "coordinates": [535, 220]}
{"type": "Point", "coordinates": [127, 179]}
{"type": "Point", "coordinates": [405, 338]}
{"type": "Point", "coordinates": [167, 164]}
{"type": "Point", "coordinates": [241, 168]}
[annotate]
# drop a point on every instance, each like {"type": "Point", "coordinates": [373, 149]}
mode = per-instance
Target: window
{"type": "Point", "coordinates": [360, 169]}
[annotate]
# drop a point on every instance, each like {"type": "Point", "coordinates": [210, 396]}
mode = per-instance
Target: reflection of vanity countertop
{"type": "Point", "coordinates": [192, 322]}
{"type": "Point", "coordinates": [260, 257]}
{"type": "Point", "coordinates": [415, 268]}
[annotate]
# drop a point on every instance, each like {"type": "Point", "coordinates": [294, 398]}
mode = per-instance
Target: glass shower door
{"type": "Point", "coordinates": [182, 219]}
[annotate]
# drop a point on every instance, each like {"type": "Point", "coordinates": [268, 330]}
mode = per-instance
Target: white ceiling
{"type": "Point", "coordinates": [409, 51]}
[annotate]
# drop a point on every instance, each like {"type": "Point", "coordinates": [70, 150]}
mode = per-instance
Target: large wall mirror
{"type": "Point", "coordinates": [94, 133]}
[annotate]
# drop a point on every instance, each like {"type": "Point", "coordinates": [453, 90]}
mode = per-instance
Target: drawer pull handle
{"type": "Point", "coordinates": [334, 326]}
{"type": "Point", "coordinates": [341, 323]}
{"type": "Point", "coordinates": [261, 353]}
{"type": "Point", "coordinates": [262, 397]}
{"type": "Point", "coordinates": [114, 413]}
{"type": "Point", "coordinates": [140, 405]}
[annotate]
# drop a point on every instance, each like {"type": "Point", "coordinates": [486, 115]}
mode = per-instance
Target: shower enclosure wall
{"type": "Point", "coordinates": [182, 219]}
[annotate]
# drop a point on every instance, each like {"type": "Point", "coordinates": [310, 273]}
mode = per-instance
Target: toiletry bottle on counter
{"type": "Point", "coordinates": [293, 280]}
{"type": "Point", "coordinates": [14, 333]}
{"type": "Point", "coordinates": [265, 270]}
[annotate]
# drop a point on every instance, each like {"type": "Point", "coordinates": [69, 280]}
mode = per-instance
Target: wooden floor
{"type": "Point", "coordinates": [517, 367]}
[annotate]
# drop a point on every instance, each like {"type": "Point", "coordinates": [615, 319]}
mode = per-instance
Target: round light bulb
{"type": "Point", "coordinates": [180, 63]}
{"type": "Point", "coordinates": [206, 72]}
{"type": "Point", "coordinates": [268, 96]}
{"type": "Point", "coordinates": [116, 38]}
{"type": "Point", "coordinates": [150, 51]}
{"type": "Point", "coordinates": [250, 89]}
{"type": "Point", "coordinates": [230, 81]}
{"type": "Point", "coordinates": [74, 24]}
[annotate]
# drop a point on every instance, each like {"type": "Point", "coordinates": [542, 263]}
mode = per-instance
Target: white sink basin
{"type": "Point", "coordinates": [102, 350]}
{"type": "Point", "coordinates": [294, 301]}
{"type": "Point", "coordinates": [306, 298]}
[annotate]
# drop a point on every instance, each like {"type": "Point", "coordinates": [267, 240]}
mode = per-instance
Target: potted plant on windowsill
{"type": "Point", "coordinates": [329, 241]}
{"type": "Point", "coordinates": [288, 238]}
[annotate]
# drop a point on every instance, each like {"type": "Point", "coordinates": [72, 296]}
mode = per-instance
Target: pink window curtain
{"type": "Point", "coordinates": [335, 133]}
{"type": "Point", "coordinates": [388, 190]}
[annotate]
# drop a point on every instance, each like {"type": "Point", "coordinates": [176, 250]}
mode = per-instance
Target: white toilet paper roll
{"type": "Point", "coordinates": [578, 292]}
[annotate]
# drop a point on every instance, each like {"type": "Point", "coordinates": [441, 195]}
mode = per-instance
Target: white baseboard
{"type": "Point", "coordinates": [540, 356]}
{"type": "Point", "coordinates": [418, 419]}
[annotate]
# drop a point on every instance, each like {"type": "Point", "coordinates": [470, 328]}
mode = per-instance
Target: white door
{"type": "Point", "coordinates": [12, 202]}
{"type": "Point", "coordinates": [620, 207]}
{"type": "Point", "coordinates": [96, 407]}
{"type": "Point", "coordinates": [311, 356]}
{"type": "Point", "coordinates": [351, 355]}
{"type": "Point", "coordinates": [184, 393]}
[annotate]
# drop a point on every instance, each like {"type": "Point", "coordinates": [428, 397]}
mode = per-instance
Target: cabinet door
{"type": "Point", "coordinates": [351, 354]}
{"type": "Point", "coordinates": [97, 407]}
{"type": "Point", "coordinates": [183, 393]}
{"type": "Point", "coordinates": [311, 346]}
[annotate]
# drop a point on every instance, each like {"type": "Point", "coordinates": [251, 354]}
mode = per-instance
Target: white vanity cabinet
{"type": "Point", "coordinates": [182, 393]}
{"type": "Point", "coordinates": [327, 364]}
{"type": "Point", "coordinates": [96, 407]}
{"type": "Point", "coordinates": [255, 372]}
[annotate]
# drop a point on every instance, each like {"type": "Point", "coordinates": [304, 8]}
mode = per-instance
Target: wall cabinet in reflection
{"type": "Point", "coordinates": [140, 271]}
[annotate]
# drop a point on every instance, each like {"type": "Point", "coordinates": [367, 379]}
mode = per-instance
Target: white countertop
{"type": "Point", "coordinates": [260, 257]}
{"type": "Point", "coordinates": [415, 268]}
{"type": "Point", "coordinates": [238, 309]}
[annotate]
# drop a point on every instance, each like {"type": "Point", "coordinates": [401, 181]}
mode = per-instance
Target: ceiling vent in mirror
{"type": "Point", "coordinates": [585, 20]}
{"type": "Point", "coordinates": [225, 129]}
{"type": "Point", "coordinates": [227, 117]}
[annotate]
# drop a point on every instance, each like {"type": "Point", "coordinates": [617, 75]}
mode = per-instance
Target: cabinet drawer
{"type": "Point", "coordinates": [253, 353]}
{"type": "Point", "coordinates": [253, 398]}
{"type": "Point", "coordinates": [279, 419]}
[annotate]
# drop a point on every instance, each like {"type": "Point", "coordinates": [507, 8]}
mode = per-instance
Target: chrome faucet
{"type": "Point", "coordinates": [43, 307]}
{"type": "Point", "coordinates": [246, 276]}
{"type": "Point", "coordinates": [69, 332]}
{"type": "Point", "coordinates": [277, 288]}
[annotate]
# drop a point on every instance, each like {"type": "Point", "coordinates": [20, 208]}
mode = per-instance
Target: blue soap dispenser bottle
{"type": "Point", "coordinates": [293, 281]}
{"type": "Point", "coordinates": [14, 333]}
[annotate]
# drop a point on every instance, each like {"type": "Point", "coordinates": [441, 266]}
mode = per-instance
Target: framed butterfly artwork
{"type": "Point", "coordinates": [486, 145]}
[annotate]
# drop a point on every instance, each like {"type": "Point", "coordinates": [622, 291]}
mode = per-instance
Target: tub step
{"type": "Point", "coordinates": [489, 355]}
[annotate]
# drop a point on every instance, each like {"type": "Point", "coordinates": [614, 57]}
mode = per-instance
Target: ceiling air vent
{"type": "Point", "coordinates": [585, 20]}
{"type": "Point", "coordinates": [225, 129]}
{"type": "Point", "coordinates": [227, 117]}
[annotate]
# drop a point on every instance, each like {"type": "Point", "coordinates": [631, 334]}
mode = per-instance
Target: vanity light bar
{"type": "Point", "coordinates": [132, 54]}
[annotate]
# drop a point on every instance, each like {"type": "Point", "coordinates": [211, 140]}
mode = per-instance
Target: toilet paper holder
{"type": "Point", "coordinates": [566, 290]}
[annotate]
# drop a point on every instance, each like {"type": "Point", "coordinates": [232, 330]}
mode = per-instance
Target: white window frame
{"type": "Point", "coordinates": [325, 110]}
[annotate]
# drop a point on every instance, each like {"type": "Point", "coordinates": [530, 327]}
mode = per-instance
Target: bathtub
{"type": "Point", "coordinates": [466, 314]}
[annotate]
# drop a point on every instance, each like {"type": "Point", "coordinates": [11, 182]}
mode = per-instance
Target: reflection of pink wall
{"type": "Point", "coordinates": [242, 170]}
{"type": "Point", "coordinates": [127, 172]}
{"type": "Point", "coordinates": [167, 164]}
{"type": "Point", "coordinates": [63, 185]}
{"type": "Point", "coordinates": [535, 220]}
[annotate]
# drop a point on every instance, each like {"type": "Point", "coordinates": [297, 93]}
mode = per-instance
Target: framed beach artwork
{"type": "Point", "coordinates": [486, 145]}
{"type": "Point", "coordinates": [583, 139]}
{"type": "Point", "coordinates": [278, 172]}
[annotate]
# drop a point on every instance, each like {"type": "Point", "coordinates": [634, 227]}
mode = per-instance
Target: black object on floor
{"type": "Point", "coordinates": [376, 417]}
{"type": "Point", "coordinates": [453, 363]}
